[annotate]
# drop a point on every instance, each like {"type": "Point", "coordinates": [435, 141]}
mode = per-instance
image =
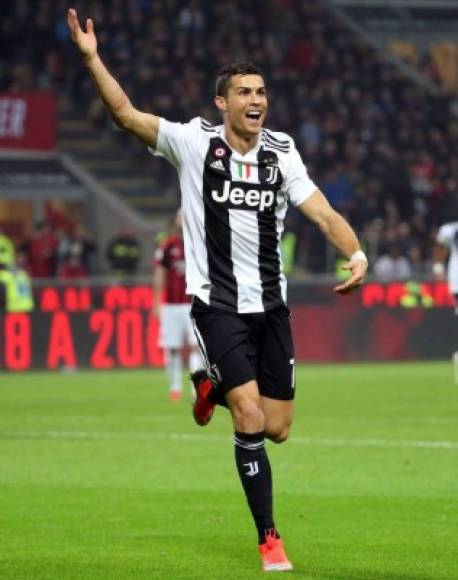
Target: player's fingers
{"type": "Point", "coordinates": [359, 269]}
{"type": "Point", "coordinates": [346, 290]}
{"type": "Point", "coordinates": [90, 26]}
{"type": "Point", "coordinates": [358, 266]}
{"type": "Point", "coordinates": [351, 284]}
{"type": "Point", "coordinates": [342, 289]}
{"type": "Point", "coordinates": [72, 20]}
{"type": "Point", "coordinates": [73, 23]}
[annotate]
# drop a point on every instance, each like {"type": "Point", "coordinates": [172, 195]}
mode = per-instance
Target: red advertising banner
{"type": "Point", "coordinates": [104, 327]}
{"type": "Point", "coordinates": [28, 121]}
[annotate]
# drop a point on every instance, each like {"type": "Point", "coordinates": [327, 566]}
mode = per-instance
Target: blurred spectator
{"type": "Point", "coordinates": [337, 188]}
{"type": "Point", "coordinates": [72, 268]}
{"type": "Point", "coordinates": [124, 253]}
{"type": "Point", "coordinates": [418, 266]}
{"type": "Point", "coordinates": [309, 132]}
{"type": "Point", "coordinates": [6, 249]}
{"type": "Point", "coordinates": [75, 252]}
{"type": "Point", "coordinates": [299, 53]}
{"type": "Point", "coordinates": [15, 287]}
{"type": "Point", "coordinates": [41, 251]}
{"type": "Point", "coordinates": [288, 249]}
{"type": "Point", "coordinates": [365, 131]}
{"type": "Point", "coordinates": [392, 266]}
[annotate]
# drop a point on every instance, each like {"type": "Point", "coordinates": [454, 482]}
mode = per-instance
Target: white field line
{"type": "Point", "coordinates": [193, 437]}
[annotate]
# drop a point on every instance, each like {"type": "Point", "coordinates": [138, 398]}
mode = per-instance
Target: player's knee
{"type": "Point", "coordinates": [248, 415]}
{"type": "Point", "coordinates": [279, 435]}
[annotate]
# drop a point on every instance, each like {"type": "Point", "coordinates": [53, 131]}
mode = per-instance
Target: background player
{"type": "Point", "coordinates": [447, 247]}
{"type": "Point", "coordinates": [236, 180]}
{"type": "Point", "coordinates": [175, 323]}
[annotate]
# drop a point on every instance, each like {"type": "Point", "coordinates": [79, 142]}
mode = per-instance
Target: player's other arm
{"type": "Point", "coordinates": [144, 125]}
{"type": "Point", "coordinates": [342, 237]}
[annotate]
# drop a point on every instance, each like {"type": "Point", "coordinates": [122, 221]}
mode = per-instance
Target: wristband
{"type": "Point", "coordinates": [438, 268]}
{"type": "Point", "coordinates": [359, 255]}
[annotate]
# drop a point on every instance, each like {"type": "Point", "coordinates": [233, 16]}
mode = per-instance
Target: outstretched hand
{"type": "Point", "coordinates": [358, 269]}
{"type": "Point", "coordinates": [85, 41]}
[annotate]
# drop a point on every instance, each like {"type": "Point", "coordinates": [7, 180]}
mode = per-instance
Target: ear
{"type": "Point", "coordinates": [221, 104]}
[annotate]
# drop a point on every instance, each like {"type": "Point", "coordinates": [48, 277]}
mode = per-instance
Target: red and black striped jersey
{"type": "Point", "coordinates": [170, 255]}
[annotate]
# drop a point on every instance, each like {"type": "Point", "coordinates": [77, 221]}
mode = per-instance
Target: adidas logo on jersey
{"type": "Point", "coordinates": [218, 165]}
{"type": "Point", "coordinates": [250, 199]}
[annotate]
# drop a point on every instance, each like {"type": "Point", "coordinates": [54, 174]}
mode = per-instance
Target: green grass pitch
{"type": "Point", "coordinates": [101, 477]}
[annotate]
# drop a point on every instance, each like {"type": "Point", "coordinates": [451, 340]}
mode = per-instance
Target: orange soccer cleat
{"type": "Point", "coordinates": [273, 554]}
{"type": "Point", "coordinates": [203, 406]}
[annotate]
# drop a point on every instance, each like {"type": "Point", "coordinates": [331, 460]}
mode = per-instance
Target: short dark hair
{"type": "Point", "coordinates": [223, 80]}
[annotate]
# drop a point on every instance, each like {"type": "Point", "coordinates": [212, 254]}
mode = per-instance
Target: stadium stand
{"type": "Point", "coordinates": [421, 32]}
{"type": "Point", "coordinates": [381, 145]}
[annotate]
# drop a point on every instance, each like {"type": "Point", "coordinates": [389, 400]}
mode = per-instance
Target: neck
{"type": "Point", "coordinates": [242, 143]}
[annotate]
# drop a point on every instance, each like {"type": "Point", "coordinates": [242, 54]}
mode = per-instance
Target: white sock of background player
{"type": "Point", "coordinates": [174, 368]}
{"type": "Point", "coordinates": [195, 360]}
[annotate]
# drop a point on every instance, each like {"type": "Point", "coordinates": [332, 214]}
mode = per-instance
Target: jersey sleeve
{"type": "Point", "coordinates": [446, 235]}
{"type": "Point", "coordinates": [297, 183]}
{"type": "Point", "coordinates": [175, 141]}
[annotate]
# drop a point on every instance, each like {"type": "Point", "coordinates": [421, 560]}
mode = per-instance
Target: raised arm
{"type": "Point", "coordinates": [144, 125]}
{"type": "Point", "coordinates": [341, 236]}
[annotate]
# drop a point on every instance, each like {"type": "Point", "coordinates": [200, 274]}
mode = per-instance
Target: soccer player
{"type": "Point", "coordinates": [175, 323]}
{"type": "Point", "coordinates": [447, 247]}
{"type": "Point", "coordinates": [236, 181]}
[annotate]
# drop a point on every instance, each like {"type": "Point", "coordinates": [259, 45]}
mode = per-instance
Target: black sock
{"type": "Point", "coordinates": [256, 477]}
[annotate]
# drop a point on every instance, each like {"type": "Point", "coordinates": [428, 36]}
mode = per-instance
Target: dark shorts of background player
{"type": "Point", "coordinates": [238, 348]}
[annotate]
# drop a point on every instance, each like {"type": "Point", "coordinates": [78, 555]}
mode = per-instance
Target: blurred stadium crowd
{"type": "Point", "coordinates": [382, 149]}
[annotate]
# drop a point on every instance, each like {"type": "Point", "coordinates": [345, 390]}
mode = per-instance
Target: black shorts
{"type": "Point", "coordinates": [238, 348]}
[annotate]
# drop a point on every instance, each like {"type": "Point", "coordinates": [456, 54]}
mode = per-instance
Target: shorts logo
{"type": "Point", "coordinates": [262, 200]}
{"type": "Point", "coordinates": [215, 375]}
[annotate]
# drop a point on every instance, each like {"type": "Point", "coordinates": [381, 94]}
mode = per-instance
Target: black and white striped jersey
{"type": "Point", "coordinates": [233, 208]}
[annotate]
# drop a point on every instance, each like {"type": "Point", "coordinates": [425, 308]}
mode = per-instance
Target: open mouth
{"type": "Point", "coordinates": [254, 115]}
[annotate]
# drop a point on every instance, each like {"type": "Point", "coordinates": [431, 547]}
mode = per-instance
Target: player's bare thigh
{"type": "Point", "coordinates": [252, 412]}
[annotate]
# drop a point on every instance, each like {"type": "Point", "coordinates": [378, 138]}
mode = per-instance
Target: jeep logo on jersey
{"type": "Point", "coordinates": [241, 197]}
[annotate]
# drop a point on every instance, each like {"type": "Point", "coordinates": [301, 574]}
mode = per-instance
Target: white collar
{"type": "Point", "coordinates": [249, 156]}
